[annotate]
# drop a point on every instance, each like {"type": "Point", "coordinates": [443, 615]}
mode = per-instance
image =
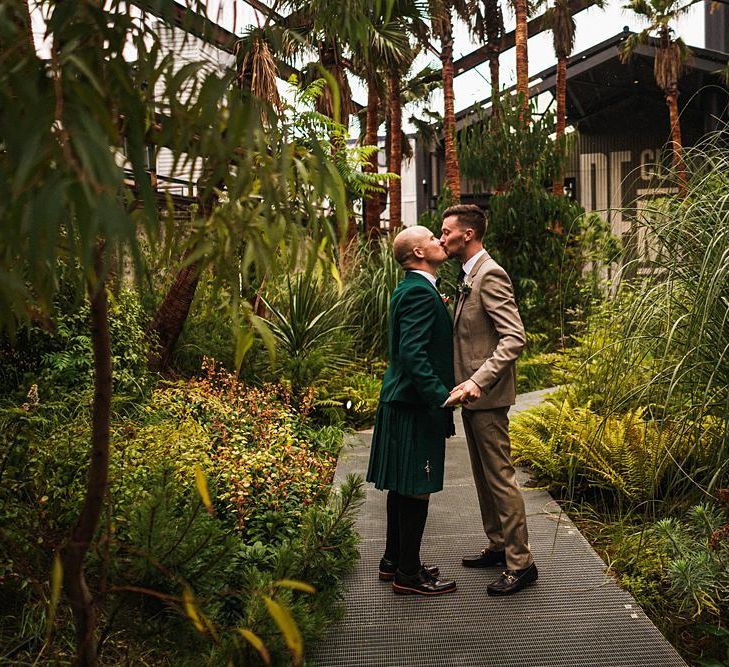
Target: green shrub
{"type": "Point", "coordinates": [59, 358]}
{"type": "Point", "coordinates": [698, 547]}
{"type": "Point", "coordinates": [308, 320]}
{"type": "Point", "coordinates": [370, 281]}
{"type": "Point", "coordinates": [622, 458]}
{"type": "Point", "coordinates": [536, 368]}
{"type": "Point", "coordinates": [269, 469]}
{"type": "Point", "coordinates": [352, 398]}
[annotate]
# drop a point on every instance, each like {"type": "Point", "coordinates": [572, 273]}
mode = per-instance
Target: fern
{"type": "Point", "coordinates": [579, 451]}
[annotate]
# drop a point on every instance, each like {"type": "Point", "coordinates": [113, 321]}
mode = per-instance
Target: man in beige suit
{"type": "Point", "coordinates": [488, 337]}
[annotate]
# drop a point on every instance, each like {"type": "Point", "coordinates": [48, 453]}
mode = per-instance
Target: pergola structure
{"type": "Point", "coordinates": [202, 27]}
{"type": "Point", "coordinates": [617, 108]}
{"type": "Point", "coordinates": [622, 123]}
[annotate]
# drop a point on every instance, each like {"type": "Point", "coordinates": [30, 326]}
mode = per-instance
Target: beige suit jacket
{"type": "Point", "coordinates": [488, 335]}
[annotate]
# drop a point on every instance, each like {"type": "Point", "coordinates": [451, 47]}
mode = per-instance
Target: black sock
{"type": "Point", "coordinates": [413, 515]}
{"type": "Point", "coordinates": [392, 546]}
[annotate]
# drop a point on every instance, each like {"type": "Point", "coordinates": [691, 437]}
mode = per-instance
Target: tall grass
{"type": "Point", "coordinates": [371, 280]}
{"type": "Point", "coordinates": [667, 348]}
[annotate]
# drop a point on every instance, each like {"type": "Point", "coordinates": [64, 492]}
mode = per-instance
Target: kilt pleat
{"type": "Point", "coordinates": [408, 449]}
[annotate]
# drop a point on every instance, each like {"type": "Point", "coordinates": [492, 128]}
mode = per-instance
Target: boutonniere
{"type": "Point", "coordinates": [445, 298]}
{"type": "Point", "coordinates": [464, 288]}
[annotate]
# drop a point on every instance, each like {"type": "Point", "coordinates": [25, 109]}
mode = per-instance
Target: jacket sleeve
{"type": "Point", "coordinates": [417, 318]}
{"type": "Point", "coordinates": [497, 299]}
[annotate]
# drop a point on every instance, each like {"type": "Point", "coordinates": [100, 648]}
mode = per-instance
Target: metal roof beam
{"type": "Point", "coordinates": [508, 41]}
{"type": "Point", "coordinates": [202, 27]}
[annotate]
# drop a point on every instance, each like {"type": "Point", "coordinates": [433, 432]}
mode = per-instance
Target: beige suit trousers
{"type": "Point", "coordinates": [501, 502]}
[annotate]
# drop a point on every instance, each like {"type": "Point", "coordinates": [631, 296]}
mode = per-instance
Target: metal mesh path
{"type": "Point", "coordinates": [575, 615]}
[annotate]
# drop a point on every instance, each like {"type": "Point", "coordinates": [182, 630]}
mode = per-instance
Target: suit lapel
{"type": "Point", "coordinates": [470, 278]}
{"type": "Point", "coordinates": [410, 276]}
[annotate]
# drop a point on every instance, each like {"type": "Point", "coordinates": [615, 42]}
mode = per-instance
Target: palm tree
{"type": "Point", "coordinates": [387, 49]}
{"type": "Point", "coordinates": [257, 70]}
{"type": "Point", "coordinates": [394, 84]}
{"type": "Point", "coordinates": [521, 11]}
{"type": "Point", "coordinates": [442, 25]}
{"type": "Point", "coordinates": [562, 23]}
{"type": "Point", "coordinates": [332, 29]}
{"type": "Point", "coordinates": [372, 207]}
{"type": "Point", "coordinates": [671, 54]}
{"type": "Point", "coordinates": [256, 75]}
{"type": "Point", "coordinates": [488, 25]}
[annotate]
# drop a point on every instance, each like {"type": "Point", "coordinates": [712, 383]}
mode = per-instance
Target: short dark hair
{"type": "Point", "coordinates": [469, 215]}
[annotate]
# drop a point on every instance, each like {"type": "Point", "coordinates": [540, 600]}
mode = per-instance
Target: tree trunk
{"type": "Point", "coordinates": [453, 179]}
{"type": "Point", "coordinates": [171, 315]}
{"type": "Point", "coordinates": [372, 203]}
{"type": "Point", "coordinates": [77, 590]}
{"type": "Point", "coordinates": [558, 185]}
{"type": "Point", "coordinates": [522, 59]}
{"type": "Point", "coordinates": [494, 36]}
{"type": "Point", "coordinates": [677, 144]}
{"type": "Point", "coordinates": [495, 85]}
{"type": "Point", "coordinates": [19, 14]}
{"type": "Point", "coordinates": [393, 84]}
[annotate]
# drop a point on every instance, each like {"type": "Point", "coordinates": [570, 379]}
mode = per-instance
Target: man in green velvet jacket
{"type": "Point", "coordinates": [414, 416]}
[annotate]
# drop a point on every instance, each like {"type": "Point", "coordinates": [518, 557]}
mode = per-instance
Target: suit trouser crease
{"type": "Point", "coordinates": [500, 500]}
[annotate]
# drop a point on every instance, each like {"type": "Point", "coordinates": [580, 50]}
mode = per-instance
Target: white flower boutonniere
{"type": "Point", "coordinates": [464, 289]}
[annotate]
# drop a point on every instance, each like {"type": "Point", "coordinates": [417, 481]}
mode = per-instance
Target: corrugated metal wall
{"type": "Point", "coordinates": [617, 175]}
{"type": "Point", "coordinates": [186, 49]}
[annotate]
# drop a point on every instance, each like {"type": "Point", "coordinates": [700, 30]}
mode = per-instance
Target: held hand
{"type": "Point", "coordinates": [468, 390]}
{"type": "Point", "coordinates": [454, 399]}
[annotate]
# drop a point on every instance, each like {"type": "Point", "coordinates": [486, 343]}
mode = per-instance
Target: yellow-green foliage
{"type": "Point", "coordinates": [580, 450]}
{"type": "Point", "coordinates": [256, 449]}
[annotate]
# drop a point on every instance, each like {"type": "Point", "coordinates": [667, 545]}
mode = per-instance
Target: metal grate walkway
{"type": "Point", "coordinates": [575, 615]}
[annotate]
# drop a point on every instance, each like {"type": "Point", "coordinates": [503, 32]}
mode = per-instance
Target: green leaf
{"type": "Point", "coordinates": [243, 342]}
{"type": "Point", "coordinates": [188, 600]}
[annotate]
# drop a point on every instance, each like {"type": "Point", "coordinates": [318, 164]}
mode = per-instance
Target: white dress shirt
{"type": "Point", "coordinates": [425, 274]}
{"type": "Point", "coordinates": [472, 262]}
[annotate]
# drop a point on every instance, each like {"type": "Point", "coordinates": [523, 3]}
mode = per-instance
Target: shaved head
{"type": "Point", "coordinates": [406, 241]}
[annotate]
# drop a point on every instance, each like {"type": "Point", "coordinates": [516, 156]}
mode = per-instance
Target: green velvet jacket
{"type": "Point", "coordinates": [420, 372]}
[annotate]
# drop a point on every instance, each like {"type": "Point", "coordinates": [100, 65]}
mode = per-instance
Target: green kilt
{"type": "Point", "coordinates": [408, 448]}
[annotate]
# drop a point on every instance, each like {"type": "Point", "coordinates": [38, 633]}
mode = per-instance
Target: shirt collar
{"type": "Point", "coordinates": [472, 262]}
{"type": "Point", "coordinates": [425, 274]}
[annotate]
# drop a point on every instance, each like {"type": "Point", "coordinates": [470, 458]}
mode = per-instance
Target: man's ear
{"type": "Point", "coordinates": [418, 252]}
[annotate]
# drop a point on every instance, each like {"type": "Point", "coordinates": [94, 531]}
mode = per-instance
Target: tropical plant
{"type": "Point", "coordinates": [387, 49]}
{"type": "Point", "coordinates": [509, 152]}
{"type": "Point", "coordinates": [621, 459]}
{"type": "Point", "coordinates": [516, 158]}
{"type": "Point", "coordinates": [441, 21]}
{"type": "Point", "coordinates": [370, 282]}
{"type": "Point", "coordinates": [562, 23]}
{"type": "Point", "coordinates": [65, 193]}
{"type": "Point", "coordinates": [307, 321]}
{"type": "Point", "coordinates": [698, 548]}
{"type": "Point", "coordinates": [256, 67]}
{"type": "Point", "coordinates": [521, 12]}
{"type": "Point", "coordinates": [671, 54]}
{"type": "Point", "coordinates": [675, 320]}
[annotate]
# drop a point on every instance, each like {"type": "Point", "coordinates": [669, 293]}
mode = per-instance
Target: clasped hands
{"type": "Point", "coordinates": [463, 393]}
